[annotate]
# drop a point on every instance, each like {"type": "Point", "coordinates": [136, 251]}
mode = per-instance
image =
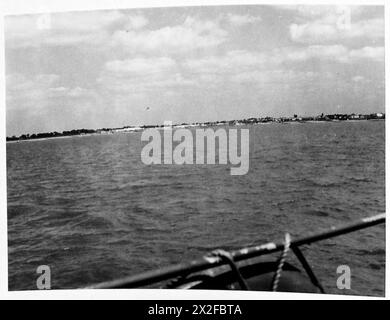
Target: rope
{"type": "Point", "coordinates": [228, 258]}
{"type": "Point", "coordinates": [282, 259]}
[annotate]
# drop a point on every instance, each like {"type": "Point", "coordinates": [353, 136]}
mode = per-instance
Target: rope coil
{"type": "Point", "coordinates": [278, 273]}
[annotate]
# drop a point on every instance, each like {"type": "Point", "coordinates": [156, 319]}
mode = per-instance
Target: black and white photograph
{"type": "Point", "coordinates": [196, 147]}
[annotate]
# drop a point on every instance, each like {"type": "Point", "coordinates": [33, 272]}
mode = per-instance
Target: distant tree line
{"type": "Point", "coordinates": [322, 117]}
{"type": "Point", "coordinates": [51, 134]}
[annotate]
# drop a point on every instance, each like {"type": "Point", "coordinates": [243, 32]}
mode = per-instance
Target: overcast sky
{"type": "Point", "coordinates": [128, 67]}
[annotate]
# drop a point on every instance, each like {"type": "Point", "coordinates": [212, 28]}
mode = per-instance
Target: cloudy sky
{"type": "Point", "coordinates": [128, 67]}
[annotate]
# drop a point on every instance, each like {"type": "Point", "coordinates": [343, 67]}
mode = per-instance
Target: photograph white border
{"type": "Point", "coordinates": [9, 7]}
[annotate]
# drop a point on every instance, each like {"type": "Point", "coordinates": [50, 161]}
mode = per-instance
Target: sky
{"type": "Point", "coordinates": [96, 69]}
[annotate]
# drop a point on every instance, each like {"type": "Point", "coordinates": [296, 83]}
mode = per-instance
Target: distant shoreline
{"type": "Point", "coordinates": [178, 126]}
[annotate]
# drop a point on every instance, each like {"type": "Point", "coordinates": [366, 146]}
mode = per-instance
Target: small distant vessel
{"type": "Point", "coordinates": [245, 269]}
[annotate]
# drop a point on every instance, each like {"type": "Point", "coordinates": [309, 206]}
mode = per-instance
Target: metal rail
{"type": "Point", "coordinates": [204, 263]}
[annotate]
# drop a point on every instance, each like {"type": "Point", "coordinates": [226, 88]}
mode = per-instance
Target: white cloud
{"type": "Point", "coordinates": [36, 92]}
{"type": "Point", "coordinates": [58, 90]}
{"type": "Point", "coordinates": [79, 92]}
{"type": "Point", "coordinates": [232, 61]}
{"type": "Point", "coordinates": [85, 21]}
{"type": "Point", "coordinates": [20, 86]}
{"type": "Point", "coordinates": [326, 24]}
{"type": "Point", "coordinates": [141, 74]}
{"type": "Point", "coordinates": [241, 20]}
{"type": "Point", "coordinates": [141, 66]}
{"type": "Point", "coordinates": [248, 63]}
{"type": "Point", "coordinates": [320, 31]}
{"type": "Point", "coordinates": [60, 28]}
{"type": "Point", "coordinates": [335, 53]}
{"type": "Point", "coordinates": [242, 66]}
{"type": "Point", "coordinates": [107, 28]}
{"type": "Point", "coordinates": [358, 79]}
{"type": "Point", "coordinates": [373, 53]}
{"type": "Point", "coordinates": [190, 35]}
{"type": "Point", "coordinates": [136, 22]}
{"type": "Point", "coordinates": [278, 66]}
{"type": "Point", "coordinates": [316, 11]}
{"type": "Point", "coordinates": [278, 76]}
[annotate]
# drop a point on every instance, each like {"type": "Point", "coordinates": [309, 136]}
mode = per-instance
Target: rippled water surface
{"type": "Point", "coordinates": [87, 206]}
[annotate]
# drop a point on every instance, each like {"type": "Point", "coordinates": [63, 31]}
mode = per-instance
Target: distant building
{"type": "Point", "coordinates": [354, 116]}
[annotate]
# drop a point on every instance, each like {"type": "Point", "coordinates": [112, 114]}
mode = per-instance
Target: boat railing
{"type": "Point", "coordinates": [207, 262]}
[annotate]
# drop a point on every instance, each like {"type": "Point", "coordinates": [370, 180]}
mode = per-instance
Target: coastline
{"type": "Point", "coordinates": [180, 126]}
